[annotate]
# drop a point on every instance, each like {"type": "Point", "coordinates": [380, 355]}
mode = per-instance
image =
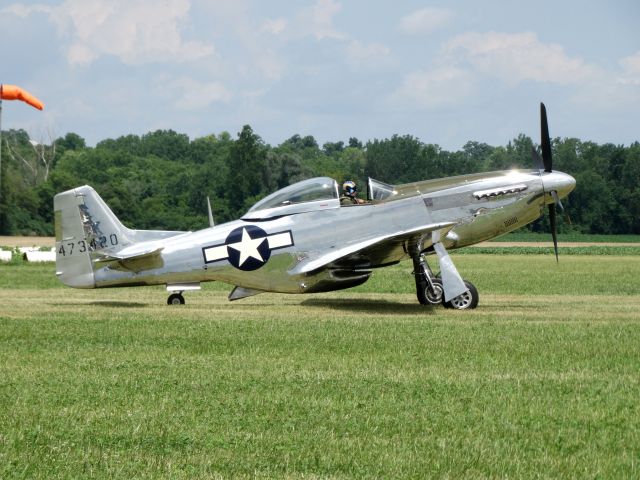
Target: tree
{"type": "Point", "coordinates": [165, 144]}
{"type": "Point", "coordinates": [246, 164]}
{"type": "Point", "coordinates": [595, 203]}
{"type": "Point", "coordinates": [355, 143]}
{"type": "Point", "coordinates": [70, 142]}
{"type": "Point", "coordinates": [395, 160]}
{"type": "Point", "coordinates": [300, 143]}
{"type": "Point", "coordinates": [35, 158]}
{"type": "Point", "coordinates": [476, 156]}
{"type": "Point", "coordinates": [128, 143]}
{"type": "Point", "coordinates": [331, 148]}
{"type": "Point", "coordinates": [161, 180]}
{"type": "Point", "coordinates": [519, 152]}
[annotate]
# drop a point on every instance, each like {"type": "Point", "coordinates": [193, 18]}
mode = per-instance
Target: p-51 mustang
{"type": "Point", "coordinates": [292, 240]}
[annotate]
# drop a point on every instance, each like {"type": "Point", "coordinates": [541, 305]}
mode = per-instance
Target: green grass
{"type": "Point", "coordinates": [540, 381]}
{"type": "Point", "coordinates": [597, 250]}
{"type": "Point", "coordinates": [566, 237]}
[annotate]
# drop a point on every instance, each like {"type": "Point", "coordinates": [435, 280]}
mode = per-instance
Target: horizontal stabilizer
{"type": "Point", "coordinates": [135, 261]}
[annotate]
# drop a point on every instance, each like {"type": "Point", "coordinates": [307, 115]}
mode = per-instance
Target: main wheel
{"type": "Point", "coordinates": [467, 300]}
{"type": "Point", "coordinates": [427, 296]}
{"type": "Point", "coordinates": [175, 299]}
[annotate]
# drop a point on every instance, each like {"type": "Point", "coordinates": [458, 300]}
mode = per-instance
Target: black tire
{"type": "Point", "coordinates": [175, 299]}
{"type": "Point", "coordinates": [466, 301]}
{"type": "Point", "coordinates": [428, 297]}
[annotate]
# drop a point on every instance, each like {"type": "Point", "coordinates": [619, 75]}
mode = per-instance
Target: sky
{"type": "Point", "coordinates": [444, 72]}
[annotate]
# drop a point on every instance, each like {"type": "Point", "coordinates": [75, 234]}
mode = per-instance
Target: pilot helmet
{"type": "Point", "coordinates": [349, 188]}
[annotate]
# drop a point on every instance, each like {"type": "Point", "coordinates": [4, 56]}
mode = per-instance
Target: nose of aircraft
{"type": "Point", "coordinates": [562, 183]}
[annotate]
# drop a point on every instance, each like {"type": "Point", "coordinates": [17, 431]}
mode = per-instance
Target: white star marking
{"type": "Point", "coordinates": [248, 247]}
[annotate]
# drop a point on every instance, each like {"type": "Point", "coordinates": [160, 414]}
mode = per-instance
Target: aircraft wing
{"type": "Point", "coordinates": [372, 251]}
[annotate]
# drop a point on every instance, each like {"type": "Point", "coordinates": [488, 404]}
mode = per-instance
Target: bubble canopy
{"type": "Point", "coordinates": [313, 194]}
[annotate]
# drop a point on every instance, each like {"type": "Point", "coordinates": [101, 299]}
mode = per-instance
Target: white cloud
{"type": "Point", "coordinates": [318, 20]}
{"type": "Point", "coordinates": [270, 64]}
{"type": "Point", "coordinates": [425, 20]}
{"type": "Point", "coordinates": [25, 10]}
{"type": "Point", "coordinates": [195, 95]}
{"type": "Point", "coordinates": [273, 26]}
{"type": "Point", "coordinates": [631, 66]}
{"type": "Point", "coordinates": [79, 54]}
{"type": "Point", "coordinates": [136, 31]}
{"type": "Point", "coordinates": [371, 54]}
{"type": "Point", "coordinates": [613, 90]}
{"type": "Point", "coordinates": [433, 89]}
{"type": "Point", "coordinates": [517, 57]}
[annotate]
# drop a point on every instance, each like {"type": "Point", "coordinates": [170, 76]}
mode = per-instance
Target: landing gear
{"type": "Point", "coordinates": [431, 294]}
{"type": "Point", "coordinates": [175, 299]}
{"type": "Point", "coordinates": [430, 290]}
{"type": "Point", "coordinates": [428, 286]}
{"type": "Point", "coordinates": [467, 300]}
{"type": "Point", "coordinates": [178, 289]}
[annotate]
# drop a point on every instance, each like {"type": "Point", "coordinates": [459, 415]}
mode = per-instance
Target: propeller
{"type": "Point", "coordinates": [554, 231]}
{"type": "Point", "coordinates": [545, 141]}
{"type": "Point", "coordinates": [545, 164]}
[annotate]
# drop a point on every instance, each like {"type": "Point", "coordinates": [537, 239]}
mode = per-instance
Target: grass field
{"type": "Point", "coordinates": [542, 380]}
{"type": "Point", "coordinates": [522, 236]}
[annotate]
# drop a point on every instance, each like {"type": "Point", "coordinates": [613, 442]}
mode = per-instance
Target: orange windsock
{"type": "Point", "coordinates": [11, 92]}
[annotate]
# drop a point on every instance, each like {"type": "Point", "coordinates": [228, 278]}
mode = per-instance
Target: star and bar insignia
{"type": "Point", "coordinates": [247, 248]}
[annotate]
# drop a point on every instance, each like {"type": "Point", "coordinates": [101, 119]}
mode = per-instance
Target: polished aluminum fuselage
{"type": "Point", "coordinates": [478, 207]}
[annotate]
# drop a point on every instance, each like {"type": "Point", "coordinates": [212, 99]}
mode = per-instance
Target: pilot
{"type": "Point", "coordinates": [350, 194]}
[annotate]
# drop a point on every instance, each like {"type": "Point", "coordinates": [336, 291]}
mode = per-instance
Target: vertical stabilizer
{"type": "Point", "coordinates": [84, 225]}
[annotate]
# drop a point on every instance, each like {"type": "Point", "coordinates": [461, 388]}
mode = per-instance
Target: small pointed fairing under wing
{"type": "Point", "coordinates": [240, 292]}
{"type": "Point", "coordinates": [373, 252]}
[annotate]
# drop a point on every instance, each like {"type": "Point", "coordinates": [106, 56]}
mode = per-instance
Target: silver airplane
{"type": "Point", "coordinates": [292, 242]}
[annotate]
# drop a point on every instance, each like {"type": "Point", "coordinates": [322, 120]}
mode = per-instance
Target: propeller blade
{"type": "Point", "coordinates": [567, 218]}
{"type": "Point", "coordinates": [537, 160]}
{"type": "Point", "coordinates": [554, 232]}
{"type": "Point", "coordinates": [545, 141]}
{"type": "Point", "coordinates": [557, 201]}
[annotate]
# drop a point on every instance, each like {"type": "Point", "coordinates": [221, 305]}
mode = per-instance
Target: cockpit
{"type": "Point", "coordinates": [320, 193]}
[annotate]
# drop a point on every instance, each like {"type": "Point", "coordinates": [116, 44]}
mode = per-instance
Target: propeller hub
{"type": "Point", "coordinates": [560, 182]}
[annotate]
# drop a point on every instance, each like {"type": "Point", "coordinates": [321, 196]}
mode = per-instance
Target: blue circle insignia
{"type": "Point", "coordinates": [248, 247]}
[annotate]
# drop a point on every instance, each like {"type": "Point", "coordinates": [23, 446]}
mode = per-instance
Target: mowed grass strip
{"type": "Point", "coordinates": [541, 380]}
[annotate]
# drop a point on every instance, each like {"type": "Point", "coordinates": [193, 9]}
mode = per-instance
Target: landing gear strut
{"type": "Point", "coordinates": [428, 286]}
{"type": "Point", "coordinates": [430, 290]}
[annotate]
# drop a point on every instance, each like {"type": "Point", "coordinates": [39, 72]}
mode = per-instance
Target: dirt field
{"type": "Point", "coordinates": [27, 241]}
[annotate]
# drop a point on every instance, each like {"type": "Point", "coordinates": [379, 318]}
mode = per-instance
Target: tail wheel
{"type": "Point", "coordinates": [175, 299]}
{"type": "Point", "coordinates": [429, 296]}
{"type": "Point", "coordinates": [467, 300]}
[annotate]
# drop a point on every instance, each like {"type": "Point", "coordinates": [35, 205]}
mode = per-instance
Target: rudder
{"type": "Point", "coordinates": [84, 224]}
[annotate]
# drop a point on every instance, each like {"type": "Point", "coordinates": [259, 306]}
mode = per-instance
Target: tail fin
{"type": "Point", "coordinates": [84, 224]}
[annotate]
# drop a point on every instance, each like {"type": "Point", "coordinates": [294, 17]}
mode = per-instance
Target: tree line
{"type": "Point", "coordinates": [160, 180]}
